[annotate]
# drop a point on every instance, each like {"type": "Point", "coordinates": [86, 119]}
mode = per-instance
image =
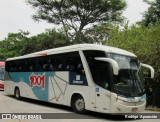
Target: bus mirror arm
{"type": "Point", "coordinates": [113, 63]}
{"type": "Point", "coordinates": [149, 67]}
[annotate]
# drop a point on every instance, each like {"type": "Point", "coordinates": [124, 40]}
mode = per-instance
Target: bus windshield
{"type": "Point", "coordinates": [130, 81]}
{"type": "Point", "coordinates": [1, 72]}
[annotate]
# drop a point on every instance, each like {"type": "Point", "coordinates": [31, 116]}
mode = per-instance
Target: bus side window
{"type": "Point", "coordinates": [66, 62]}
{"type": "Point", "coordinates": [31, 68]}
{"type": "Point", "coordinates": [10, 66]}
{"type": "Point", "coordinates": [44, 65]}
{"type": "Point", "coordinates": [80, 69]}
{"type": "Point", "coordinates": [27, 65]}
{"type": "Point", "coordinates": [70, 68]}
{"type": "Point", "coordinates": [21, 66]}
{"type": "Point", "coordinates": [56, 63]}
{"type": "Point", "coordinates": [73, 63]}
{"type": "Point", "coordinates": [14, 67]}
{"type": "Point", "coordinates": [32, 65]}
{"type": "Point", "coordinates": [60, 67]}
{"type": "Point", "coordinates": [51, 66]}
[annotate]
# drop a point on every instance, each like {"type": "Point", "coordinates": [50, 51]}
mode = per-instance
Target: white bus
{"type": "Point", "coordinates": [85, 76]}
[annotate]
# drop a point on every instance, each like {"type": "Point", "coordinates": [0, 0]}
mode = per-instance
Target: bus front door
{"type": "Point", "coordinates": [102, 93]}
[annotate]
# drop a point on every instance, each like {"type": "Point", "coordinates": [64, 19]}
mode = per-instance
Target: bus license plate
{"type": "Point", "coordinates": [134, 109]}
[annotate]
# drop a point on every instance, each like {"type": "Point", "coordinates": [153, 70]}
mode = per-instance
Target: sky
{"type": "Point", "coordinates": [16, 15]}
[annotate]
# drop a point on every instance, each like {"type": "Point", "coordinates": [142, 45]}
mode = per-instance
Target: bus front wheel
{"type": "Point", "coordinates": [17, 94]}
{"type": "Point", "coordinates": [78, 104]}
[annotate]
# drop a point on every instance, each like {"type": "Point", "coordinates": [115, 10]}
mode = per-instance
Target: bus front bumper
{"type": "Point", "coordinates": [121, 108]}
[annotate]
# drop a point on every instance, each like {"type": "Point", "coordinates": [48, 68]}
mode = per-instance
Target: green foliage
{"type": "Point", "coordinates": [17, 44]}
{"type": "Point", "coordinates": [142, 41]}
{"type": "Point", "coordinates": [12, 45]}
{"type": "Point", "coordinates": [152, 15]}
{"type": "Point", "coordinates": [100, 32]}
{"type": "Point", "coordinates": [75, 15]}
{"type": "Point", "coordinates": [47, 40]}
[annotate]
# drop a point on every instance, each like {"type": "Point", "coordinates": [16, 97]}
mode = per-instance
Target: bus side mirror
{"type": "Point", "coordinates": [113, 63]}
{"type": "Point", "coordinates": [149, 67]}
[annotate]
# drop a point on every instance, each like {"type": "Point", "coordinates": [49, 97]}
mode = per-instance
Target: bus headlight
{"type": "Point", "coordinates": [120, 101]}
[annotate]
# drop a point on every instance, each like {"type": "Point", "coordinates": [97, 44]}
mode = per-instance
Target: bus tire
{"type": "Point", "coordinates": [17, 93]}
{"type": "Point", "coordinates": [78, 104]}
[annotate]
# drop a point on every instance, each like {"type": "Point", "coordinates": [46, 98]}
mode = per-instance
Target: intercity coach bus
{"type": "Point", "coordinates": [85, 76]}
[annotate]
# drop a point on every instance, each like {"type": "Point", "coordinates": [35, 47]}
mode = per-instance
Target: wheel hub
{"type": "Point", "coordinates": [79, 104]}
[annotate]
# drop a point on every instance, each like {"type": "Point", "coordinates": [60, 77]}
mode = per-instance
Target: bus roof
{"type": "Point", "coordinates": [76, 47]}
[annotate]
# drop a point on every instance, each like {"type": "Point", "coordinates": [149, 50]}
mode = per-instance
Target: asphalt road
{"type": "Point", "coordinates": [25, 107]}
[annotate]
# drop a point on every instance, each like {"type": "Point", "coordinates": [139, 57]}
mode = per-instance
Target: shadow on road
{"type": "Point", "coordinates": [70, 114]}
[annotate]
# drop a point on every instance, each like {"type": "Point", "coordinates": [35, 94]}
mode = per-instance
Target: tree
{"type": "Point", "coordinates": [75, 15]}
{"type": "Point", "coordinates": [152, 15]}
{"type": "Point", "coordinates": [17, 44]}
{"type": "Point", "coordinates": [100, 33]}
{"type": "Point", "coordinates": [47, 40]}
{"type": "Point", "coordinates": [12, 45]}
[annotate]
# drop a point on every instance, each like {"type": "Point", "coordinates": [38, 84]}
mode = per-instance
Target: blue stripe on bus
{"type": "Point", "coordinates": [39, 92]}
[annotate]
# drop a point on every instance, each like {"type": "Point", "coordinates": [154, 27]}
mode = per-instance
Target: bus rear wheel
{"type": "Point", "coordinates": [17, 94]}
{"type": "Point", "coordinates": [78, 104]}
